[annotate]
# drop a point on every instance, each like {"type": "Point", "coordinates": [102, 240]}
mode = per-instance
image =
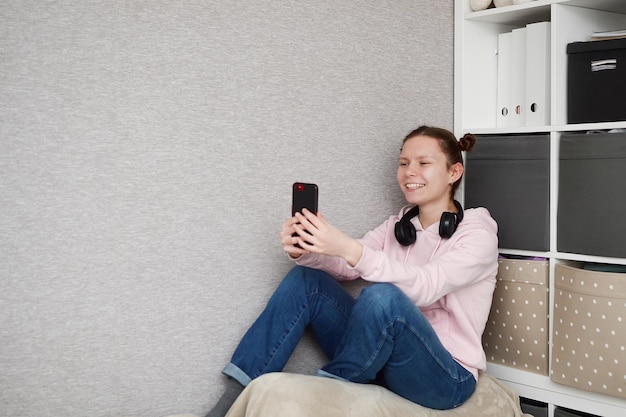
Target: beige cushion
{"type": "Point", "coordinates": [295, 395]}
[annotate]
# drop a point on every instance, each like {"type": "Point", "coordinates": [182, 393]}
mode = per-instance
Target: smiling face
{"type": "Point", "coordinates": [424, 174]}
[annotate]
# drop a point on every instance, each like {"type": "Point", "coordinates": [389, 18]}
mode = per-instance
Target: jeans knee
{"type": "Point", "coordinates": [304, 277]}
{"type": "Point", "coordinates": [378, 298]}
{"type": "Point", "coordinates": [296, 273]}
{"type": "Point", "coordinates": [380, 293]}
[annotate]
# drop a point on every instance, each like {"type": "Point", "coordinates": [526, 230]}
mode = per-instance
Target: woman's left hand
{"type": "Point", "coordinates": [317, 235]}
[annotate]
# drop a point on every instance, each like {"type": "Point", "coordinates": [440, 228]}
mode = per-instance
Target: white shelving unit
{"type": "Point", "coordinates": [476, 36]}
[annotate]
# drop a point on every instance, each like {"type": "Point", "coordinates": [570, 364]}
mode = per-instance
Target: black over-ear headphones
{"type": "Point", "coordinates": [405, 231]}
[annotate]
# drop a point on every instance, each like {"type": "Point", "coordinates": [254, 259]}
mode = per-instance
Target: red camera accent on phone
{"type": "Point", "coordinates": [304, 196]}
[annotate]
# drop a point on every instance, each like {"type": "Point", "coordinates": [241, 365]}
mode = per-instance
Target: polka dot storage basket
{"type": "Point", "coordinates": [589, 341]}
{"type": "Point", "coordinates": [517, 329]}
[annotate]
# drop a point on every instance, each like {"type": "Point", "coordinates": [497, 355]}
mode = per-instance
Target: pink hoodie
{"type": "Point", "coordinates": [450, 280]}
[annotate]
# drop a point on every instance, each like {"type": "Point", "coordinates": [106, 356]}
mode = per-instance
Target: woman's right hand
{"type": "Point", "coordinates": [289, 241]}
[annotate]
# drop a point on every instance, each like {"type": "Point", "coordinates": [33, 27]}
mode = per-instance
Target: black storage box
{"type": "Point", "coordinates": [596, 81]}
{"type": "Point", "coordinates": [591, 211]}
{"type": "Point", "coordinates": [564, 412]}
{"type": "Point", "coordinates": [534, 408]}
{"type": "Point", "coordinates": [510, 176]}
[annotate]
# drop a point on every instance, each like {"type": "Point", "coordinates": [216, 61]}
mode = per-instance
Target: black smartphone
{"type": "Point", "coordinates": [304, 196]}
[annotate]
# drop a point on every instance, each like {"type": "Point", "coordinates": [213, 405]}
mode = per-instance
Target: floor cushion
{"type": "Point", "coordinates": [290, 395]}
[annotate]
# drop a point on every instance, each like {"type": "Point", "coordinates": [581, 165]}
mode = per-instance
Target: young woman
{"type": "Point", "coordinates": [417, 329]}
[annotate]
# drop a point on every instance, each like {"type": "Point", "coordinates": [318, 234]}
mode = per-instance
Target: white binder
{"type": "Point", "coordinates": [538, 74]}
{"type": "Point", "coordinates": [518, 77]}
{"type": "Point", "coordinates": [504, 102]}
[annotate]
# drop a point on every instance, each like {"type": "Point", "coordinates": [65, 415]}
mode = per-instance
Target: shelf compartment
{"type": "Point", "coordinates": [589, 341]}
{"type": "Point", "coordinates": [517, 329]}
{"type": "Point", "coordinates": [516, 15]}
{"type": "Point", "coordinates": [591, 204]}
{"type": "Point", "coordinates": [510, 176]}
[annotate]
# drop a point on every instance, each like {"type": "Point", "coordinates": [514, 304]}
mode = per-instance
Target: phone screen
{"type": "Point", "coordinates": [304, 196]}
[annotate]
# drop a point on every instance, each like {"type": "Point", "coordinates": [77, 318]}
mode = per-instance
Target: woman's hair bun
{"type": "Point", "coordinates": [467, 142]}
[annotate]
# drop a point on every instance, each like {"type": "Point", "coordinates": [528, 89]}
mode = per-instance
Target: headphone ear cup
{"type": "Point", "coordinates": [447, 224]}
{"type": "Point", "coordinates": [405, 233]}
{"type": "Point", "coordinates": [404, 230]}
{"type": "Point", "coordinates": [450, 221]}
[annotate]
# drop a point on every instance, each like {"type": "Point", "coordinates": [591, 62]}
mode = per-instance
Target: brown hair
{"type": "Point", "coordinates": [448, 144]}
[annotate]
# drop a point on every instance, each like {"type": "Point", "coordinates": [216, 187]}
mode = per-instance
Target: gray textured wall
{"type": "Point", "coordinates": [146, 159]}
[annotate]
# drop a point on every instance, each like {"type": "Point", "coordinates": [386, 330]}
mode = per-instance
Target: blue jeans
{"type": "Point", "coordinates": [381, 337]}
